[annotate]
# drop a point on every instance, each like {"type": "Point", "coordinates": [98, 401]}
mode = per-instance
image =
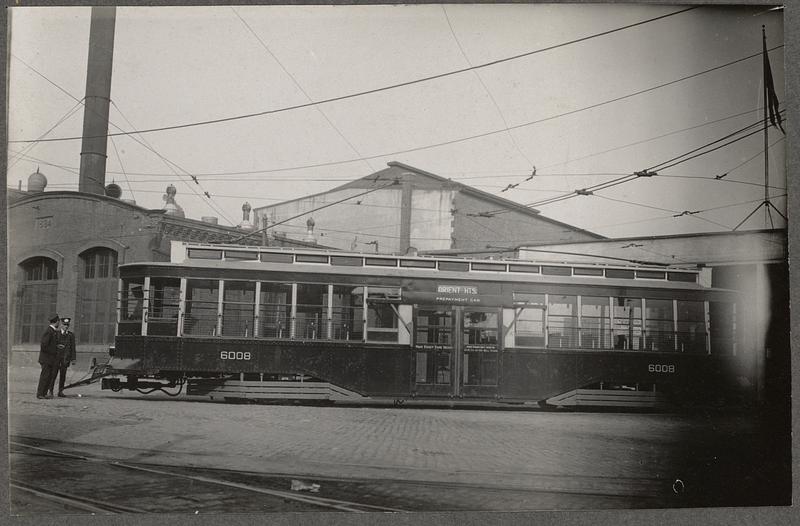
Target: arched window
{"type": "Point", "coordinates": [37, 298]}
{"type": "Point", "coordinates": [97, 296]}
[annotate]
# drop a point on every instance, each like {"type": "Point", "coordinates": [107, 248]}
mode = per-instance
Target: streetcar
{"type": "Point", "coordinates": [268, 323]}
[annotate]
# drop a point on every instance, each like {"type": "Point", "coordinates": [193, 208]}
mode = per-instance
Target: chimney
{"type": "Point", "coordinates": [98, 97]}
{"type": "Point", "coordinates": [211, 220]}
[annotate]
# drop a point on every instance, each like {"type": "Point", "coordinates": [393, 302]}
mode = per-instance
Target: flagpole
{"type": "Point", "coordinates": [771, 115]}
{"type": "Point", "coordinates": [766, 128]}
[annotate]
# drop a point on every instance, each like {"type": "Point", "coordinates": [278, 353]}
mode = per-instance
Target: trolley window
{"type": "Point", "coordinates": [131, 306]}
{"type": "Point", "coordinates": [556, 271]}
{"type": "Point", "coordinates": [202, 304]}
{"type": "Point", "coordinates": [722, 318]}
{"type": "Point", "coordinates": [562, 321]}
{"type": "Point", "coordinates": [312, 311]}
{"type": "Point", "coordinates": [619, 273]}
{"type": "Point", "coordinates": [529, 325]}
{"type": "Point", "coordinates": [382, 323]}
{"type": "Point", "coordinates": [493, 267]}
{"type": "Point", "coordinates": [650, 274]}
{"type": "Point", "coordinates": [275, 310]}
{"type": "Point", "coordinates": [529, 269]}
{"type": "Point", "coordinates": [627, 324]}
{"type": "Point", "coordinates": [434, 327]}
{"type": "Point", "coordinates": [238, 308]}
{"type": "Point", "coordinates": [311, 258]}
{"type": "Point", "coordinates": [480, 348]}
{"type": "Point", "coordinates": [659, 325]}
{"type": "Point", "coordinates": [454, 266]}
{"type": "Point", "coordinates": [347, 261]}
{"type": "Point", "coordinates": [434, 331]}
{"type": "Point", "coordinates": [272, 257]}
{"type": "Point", "coordinates": [347, 313]}
{"type": "Point", "coordinates": [595, 322]}
{"type": "Point", "coordinates": [418, 263]}
{"type": "Point", "coordinates": [163, 306]}
{"type": "Point", "coordinates": [686, 277]}
{"type": "Point", "coordinates": [381, 262]}
{"type": "Point", "coordinates": [243, 255]}
{"type": "Point", "coordinates": [480, 328]}
{"type": "Point", "coordinates": [583, 271]}
{"type": "Point", "coordinates": [692, 327]}
{"type": "Point", "coordinates": [204, 253]}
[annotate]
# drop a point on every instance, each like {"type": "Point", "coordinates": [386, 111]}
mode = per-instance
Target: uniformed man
{"type": "Point", "coordinates": [48, 357]}
{"type": "Point", "coordinates": [65, 342]}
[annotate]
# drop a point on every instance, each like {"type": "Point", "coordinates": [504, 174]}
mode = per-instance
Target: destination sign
{"type": "Point", "coordinates": [456, 289]}
{"type": "Point", "coordinates": [421, 292]}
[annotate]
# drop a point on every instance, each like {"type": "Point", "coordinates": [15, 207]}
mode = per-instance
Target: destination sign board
{"type": "Point", "coordinates": [427, 292]}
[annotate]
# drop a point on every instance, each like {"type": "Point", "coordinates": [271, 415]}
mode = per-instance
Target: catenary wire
{"type": "Point", "coordinates": [394, 86]}
{"type": "Point", "coordinates": [299, 87]}
{"type": "Point", "coordinates": [80, 101]}
{"type": "Point", "coordinates": [513, 140]}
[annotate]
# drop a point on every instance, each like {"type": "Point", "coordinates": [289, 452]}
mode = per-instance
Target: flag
{"type": "Point", "coordinates": [771, 101]}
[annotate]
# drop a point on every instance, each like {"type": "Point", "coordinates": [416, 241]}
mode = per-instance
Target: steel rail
{"type": "Point", "coordinates": [84, 503]}
{"type": "Point", "coordinates": [337, 504]}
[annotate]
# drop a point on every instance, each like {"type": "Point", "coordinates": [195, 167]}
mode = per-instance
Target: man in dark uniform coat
{"type": "Point", "coordinates": [65, 342]}
{"type": "Point", "coordinates": [48, 357]}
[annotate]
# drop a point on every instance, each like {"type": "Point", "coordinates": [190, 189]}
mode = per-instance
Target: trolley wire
{"type": "Point", "coordinates": [386, 88]}
{"type": "Point", "coordinates": [513, 140]}
{"type": "Point", "coordinates": [245, 236]}
{"type": "Point", "coordinates": [299, 87]}
{"type": "Point", "coordinates": [141, 142]}
{"type": "Point", "coordinates": [205, 175]}
{"type": "Point", "coordinates": [649, 172]}
{"type": "Point", "coordinates": [17, 156]}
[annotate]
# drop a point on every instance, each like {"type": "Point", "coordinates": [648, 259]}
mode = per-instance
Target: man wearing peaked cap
{"type": "Point", "coordinates": [65, 343]}
{"type": "Point", "coordinates": [48, 357]}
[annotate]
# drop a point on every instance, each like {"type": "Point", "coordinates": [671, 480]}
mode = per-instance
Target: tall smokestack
{"type": "Point", "coordinates": [98, 97]}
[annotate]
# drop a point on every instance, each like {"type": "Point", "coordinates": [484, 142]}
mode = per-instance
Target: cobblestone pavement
{"type": "Point", "coordinates": [550, 460]}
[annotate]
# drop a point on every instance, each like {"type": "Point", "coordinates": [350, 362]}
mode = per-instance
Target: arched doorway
{"type": "Point", "coordinates": [37, 298]}
{"type": "Point", "coordinates": [97, 296]}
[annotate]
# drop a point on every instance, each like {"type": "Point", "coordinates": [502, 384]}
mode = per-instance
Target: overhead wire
{"type": "Point", "coordinates": [171, 165]}
{"type": "Point", "coordinates": [514, 142]}
{"type": "Point", "coordinates": [81, 102]}
{"type": "Point", "coordinates": [245, 236]}
{"type": "Point", "coordinates": [300, 87]}
{"type": "Point", "coordinates": [645, 173]}
{"type": "Point", "coordinates": [495, 174]}
{"type": "Point", "coordinates": [16, 156]}
{"type": "Point", "coordinates": [395, 86]}
{"type": "Point", "coordinates": [122, 167]}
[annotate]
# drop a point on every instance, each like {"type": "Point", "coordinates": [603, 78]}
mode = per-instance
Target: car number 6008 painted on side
{"type": "Point", "coordinates": [234, 355]}
{"type": "Point", "coordinates": [661, 368]}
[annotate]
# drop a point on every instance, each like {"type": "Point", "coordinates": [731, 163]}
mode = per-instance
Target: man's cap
{"type": "Point", "coordinates": [54, 319]}
{"type": "Point", "coordinates": [65, 320]}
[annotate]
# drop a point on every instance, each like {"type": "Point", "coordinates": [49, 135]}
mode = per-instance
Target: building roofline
{"type": "Point", "coordinates": [500, 201]}
{"type": "Point", "coordinates": [661, 237]}
{"type": "Point", "coordinates": [161, 213]}
{"type": "Point", "coordinates": [494, 198]}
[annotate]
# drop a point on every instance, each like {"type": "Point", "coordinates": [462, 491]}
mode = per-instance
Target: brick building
{"type": "Point", "coordinates": [402, 206]}
{"type": "Point", "coordinates": [63, 252]}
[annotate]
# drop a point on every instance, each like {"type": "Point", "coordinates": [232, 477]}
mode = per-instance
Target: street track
{"type": "Point", "coordinates": [162, 473]}
{"type": "Point", "coordinates": [77, 502]}
{"type": "Point", "coordinates": [212, 490]}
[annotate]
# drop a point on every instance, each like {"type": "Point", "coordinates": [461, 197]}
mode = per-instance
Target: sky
{"type": "Point", "coordinates": [570, 109]}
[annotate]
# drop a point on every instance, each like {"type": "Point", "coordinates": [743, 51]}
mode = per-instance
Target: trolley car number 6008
{"type": "Point", "coordinates": [234, 355]}
{"type": "Point", "coordinates": [661, 368]}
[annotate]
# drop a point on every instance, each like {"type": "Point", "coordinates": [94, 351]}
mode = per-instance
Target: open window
{"type": "Point", "coordinates": [382, 314]}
